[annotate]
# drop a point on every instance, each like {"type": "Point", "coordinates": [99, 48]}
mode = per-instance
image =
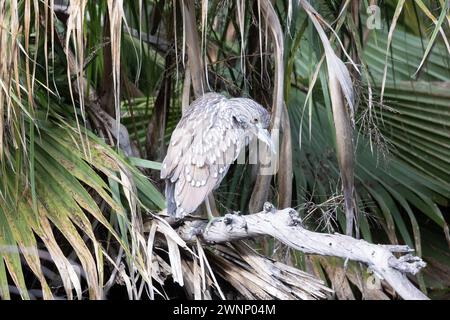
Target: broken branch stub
{"type": "Point", "coordinates": [286, 226]}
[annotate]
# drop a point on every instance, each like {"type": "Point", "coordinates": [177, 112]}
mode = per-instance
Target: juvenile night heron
{"type": "Point", "coordinates": [206, 141]}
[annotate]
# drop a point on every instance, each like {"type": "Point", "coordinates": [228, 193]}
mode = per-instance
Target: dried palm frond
{"type": "Point", "coordinates": [254, 276]}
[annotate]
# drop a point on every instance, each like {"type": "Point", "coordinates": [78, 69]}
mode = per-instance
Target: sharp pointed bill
{"type": "Point", "coordinates": [264, 136]}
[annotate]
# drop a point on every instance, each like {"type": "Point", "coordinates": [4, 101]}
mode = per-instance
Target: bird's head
{"type": "Point", "coordinates": [254, 118]}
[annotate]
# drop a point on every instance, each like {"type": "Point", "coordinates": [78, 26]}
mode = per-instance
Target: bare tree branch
{"type": "Point", "coordinates": [286, 226]}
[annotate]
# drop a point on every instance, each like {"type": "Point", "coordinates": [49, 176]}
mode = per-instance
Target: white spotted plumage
{"type": "Point", "coordinates": [205, 142]}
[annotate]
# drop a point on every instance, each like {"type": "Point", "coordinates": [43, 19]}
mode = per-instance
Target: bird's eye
{"type": "Point", "coordinates": [255, 120]}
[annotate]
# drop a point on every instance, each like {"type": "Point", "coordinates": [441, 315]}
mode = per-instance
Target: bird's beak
{"type": "Point", "coordinates": [265, 137]}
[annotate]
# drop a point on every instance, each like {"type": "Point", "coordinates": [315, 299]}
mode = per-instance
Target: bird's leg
{"type": "Point", "coordinates": [208, 209]}
{"type": "Point", "coordinates": [211, 217]}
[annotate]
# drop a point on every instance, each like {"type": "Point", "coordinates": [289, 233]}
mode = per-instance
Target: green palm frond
{"type": "Point", "coordinates": [69, 186]}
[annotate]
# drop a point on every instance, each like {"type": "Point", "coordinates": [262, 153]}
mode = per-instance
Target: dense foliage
{"type": "Point", "coordinates": [90, 92]}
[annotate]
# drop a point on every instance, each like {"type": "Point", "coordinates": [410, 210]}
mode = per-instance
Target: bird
{"type": "Point", "coordinates": [206, 141]}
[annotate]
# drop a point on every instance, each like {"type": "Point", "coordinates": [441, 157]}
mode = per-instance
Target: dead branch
{"type": "Point", "coordinates": [286, 226]}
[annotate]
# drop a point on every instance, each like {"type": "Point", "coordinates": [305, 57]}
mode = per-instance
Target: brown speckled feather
{"type": "Point", "coordinates": [205, 142]}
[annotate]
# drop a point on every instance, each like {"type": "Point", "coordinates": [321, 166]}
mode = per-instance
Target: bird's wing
{"type": "Point", "coordinates": [186, 130]}
{"type": "Point", "coordinates": [202, 147]}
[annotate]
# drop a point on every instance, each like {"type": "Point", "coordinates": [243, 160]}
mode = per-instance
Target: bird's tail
{"type": "Point", "coordinates": [170, 198]}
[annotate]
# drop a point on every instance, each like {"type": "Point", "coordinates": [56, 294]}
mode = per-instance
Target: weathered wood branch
{"type": "Point", "coordinates": [286, 226]}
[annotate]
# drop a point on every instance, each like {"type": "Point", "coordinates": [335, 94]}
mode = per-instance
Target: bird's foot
{"type": "Point", "coordinates": [211, 221]}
